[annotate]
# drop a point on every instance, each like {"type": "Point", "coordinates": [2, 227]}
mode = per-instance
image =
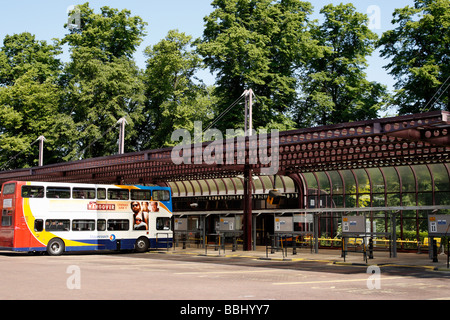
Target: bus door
{"type": "Point", "coordinates": [7, 207]}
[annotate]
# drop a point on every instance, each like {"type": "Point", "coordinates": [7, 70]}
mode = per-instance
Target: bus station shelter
{"type": "Point", "coordinates": [393, 171]}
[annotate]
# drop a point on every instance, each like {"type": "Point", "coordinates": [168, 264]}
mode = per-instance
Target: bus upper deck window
{"type": "Point", "coordinates": [83, 193]}
{"type": "Point", "coordinates": [58, 192]}
{"type": "Point", "coordinates": [9, 188]}
{"type": "Point", "coordinates": [118, 194]}
{"type": "Point", "coordinates": [32, 192]}
{"type": "Point", "coordinates": [101, 193]}
{"type": "Point", "coordinates": [141, 194]}
{"type": "Point", "coordinates": [161, 195]}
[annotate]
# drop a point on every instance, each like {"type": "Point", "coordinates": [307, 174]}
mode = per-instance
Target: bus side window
{"type": "Point", "coordinates": [101, 194]}
{"type": "Point", "coordinates": [38, 225]}
{"type": "Point", "coordinates": [83, 193]}
{"type": "Point", "coordinates": [58, 192]}
{"type": "Point", "coordinates": [140, 194]}
{"type": "Point", "coordinates": [32, 192]}
{"type": "Point", "coordinates": [101, 225]}
{"type": "Point", "coordinates": [118, 194]}
{"type": "Point", "coordinates": [161, 195]}
{"type": "Point", "coordinates": [163, 223]}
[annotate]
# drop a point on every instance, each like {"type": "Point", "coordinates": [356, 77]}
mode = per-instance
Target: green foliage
{"type": "Point", "coordinates": [258, 45]}
{"type": "Point", "coordinates": [102, 81]}
{"type": "Point", "coordinates": [110, 34]}
{"type": "Point", "coordinates": [29, 102]}
{"type": "Point", "coordinates": [303, 73]}
{"type": "Point", "coordinates": [334, 84]}
{"type": "Point", "coordinates": [420, 56]}
{"type": "Point", "coordinates": [174, 97]}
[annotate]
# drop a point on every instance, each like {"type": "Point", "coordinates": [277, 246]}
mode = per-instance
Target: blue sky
{"type": "Point", "coordinates": [46, 18]}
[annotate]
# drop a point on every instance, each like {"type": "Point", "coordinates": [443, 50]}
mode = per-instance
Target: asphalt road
{"type": "Point", "coordinates": [168, 277]}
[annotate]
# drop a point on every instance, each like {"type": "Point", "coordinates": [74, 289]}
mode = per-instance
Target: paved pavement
{"type": "Point", "coordinates": [187, 274]}
{"type": "Point", "coordinates": [380, 258]}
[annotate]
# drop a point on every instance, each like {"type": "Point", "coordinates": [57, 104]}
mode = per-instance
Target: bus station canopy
{"type": "Point", "coordinates": [418, 139]}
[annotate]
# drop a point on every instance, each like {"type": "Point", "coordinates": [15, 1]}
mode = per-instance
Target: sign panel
{"type": "Point", "coordinates": [284, 224]}
{"type": "Point", "coordinates": [180, 224]}
{"type": "Point", "coordinates": [353, 224]}
{"type": "Point", "coordinates": [227, 224]}
{"type": "Point", "coordinates": [438, 224]}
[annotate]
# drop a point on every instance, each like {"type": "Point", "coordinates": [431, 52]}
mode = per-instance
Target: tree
{"type": "Point", "coordinates": [22, 52]}
{"type": "Point", "coordinates": [175, 98]}
{"type": "Point", "coordinates": [29, 102]}
{"type": "Point", "coordinates": [102, 82]}
{"type": "Point", "coordinates": [257, 45]}
{"type": "Point", "coordinates": [334, 85]}
{"type": "Point", "coordinates": [109, 35]}
{"type": "Point", "coordinates": [420, 56]}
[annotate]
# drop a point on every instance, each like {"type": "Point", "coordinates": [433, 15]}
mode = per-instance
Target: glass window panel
{"type": "Point", "coordinates": [101, 225]}
{"type": "Point", "coordinates": [349, 181]}
{"type": "Point", "coordinates": [221, 186]}
{"type": "Point", "coordinates": [350, 201]}
{"type": "Point", "coordinates": [83, 225]}
{"type": "Point", "coordinates": [9, 188]}
{"type": "Point", "coordinates": [57, 225]}
{"type": "Point", "coordinates": [58, 192]}
{"type": "Point", "coordinates": [423, 175]}
{"type": "Point", "coordinates": [163, 223]}
{"type": "Point", "coordinates": [363, 181]}
{"type": "Point", "coordinates": [311, 182]}
{"type": "Point", "coordinates": [204, 186]}
{"type": "Point", "coordinates": [440, 175]}
{"type": "Point", "coordinates": [118, 194]}
{"type": "Point", "coordinates": [377, 180]}
{"type": "Point", "coordinates": [408, 199]}
{"type": "Point", "coordinates": [336, 182]}
{"type": "Point", "coordinates": [442, 198]}
{"type": "Point", "coordinates": [364, 200]}
{"type": "Point", "coordinates": [393, 199]}
{"type": "Point", "coordinates": [161, 195]}
{"type": "Point", "coordinates": [189, 189]}
{"type": "Point", "coordinates": [140, 194]}
{"type": "Point", "coordinates": [323, 182]}
{"type": "Point", "coordinates": [174, 187]}
{"type": "Point", "coordinates": [101, 193]}
{"type": "Point", "coordinates": [392, 183]}
{"type": "Point", "coordinates": [338, 201]}
{"type": "Point", "coordinates": [408, 181]}
{"type": "Point", "coordinates": [32, 192]}
{"type": "Point", "coordinates": [378, 200]}
{"type": "Point", "coordinates": [83, 193]}
{"type": "Point", "coordinates": [181, 188]}
{"type": "Point", "coordinates": [425, 199]}
{"type": "Point", "coordinates": [290, 184]}
{"type": "Point", "coordinates": [230, 186]}
{"type": "Point", "coordinates": [212, 185]}
{"type": "Point", "coordinates": [118, 225]}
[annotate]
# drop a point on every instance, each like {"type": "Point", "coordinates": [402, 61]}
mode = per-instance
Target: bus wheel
{"type": "Point", "coordinates": [55, 247]}
{"type": "Point", "coordinates": [142, 245]}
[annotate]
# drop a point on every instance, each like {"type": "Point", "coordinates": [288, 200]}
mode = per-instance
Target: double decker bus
{"type": "Point", "coordinates": [60, 217]}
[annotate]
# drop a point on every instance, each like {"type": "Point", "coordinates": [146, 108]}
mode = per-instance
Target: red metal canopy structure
{"type": "Point", "coordinates": [397, 141]}
{"type": "Point", "coordinates": [411, 139]}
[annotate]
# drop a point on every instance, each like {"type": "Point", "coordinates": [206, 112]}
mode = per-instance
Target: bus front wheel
{"type": "Point", "coordinates": [55, 247]}
{"type": "Point", "coordinates": [142, 245]}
